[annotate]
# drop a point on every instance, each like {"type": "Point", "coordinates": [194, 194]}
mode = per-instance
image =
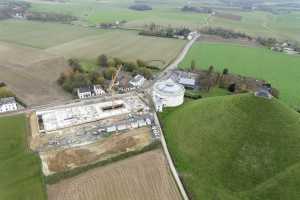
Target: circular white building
{"type": "Point", "coordinates": [167, 94]}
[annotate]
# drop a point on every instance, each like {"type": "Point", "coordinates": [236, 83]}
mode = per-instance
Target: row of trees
{"type": "Point", "coordinates": [160, 31]}
{"type": "Point", "coordinates": [197, 10]}
{"type": "Point", "coordinates": [225, 33]}
{"type": "Point", "coordinates": [228, 34]}
{"type": "Point", "coordinates": [50, 17]}
{"type": "Point", "coordinates": [75, 77]}
{"type": "Point", "coordinates": [140, 7]}
{"type": "Point", "coordinates": [138, 67]}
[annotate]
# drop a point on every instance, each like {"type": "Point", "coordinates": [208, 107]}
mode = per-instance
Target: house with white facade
{"type": "Point", "coordinates": [98, 90]}
{"type": "Point", "coordinates": [137, 81]}
{"type": "Point", "coordinates": [90, 91]}
{"type": "Point", "coordinates": [84, 92]}
{"type": "Point", "coordinates": [8, 104]}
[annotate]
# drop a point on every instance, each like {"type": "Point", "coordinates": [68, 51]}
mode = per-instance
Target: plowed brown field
{"type": "Point", "coordinates": [143, 177]}
{"type": "Point", "coordinates": [31, 74]}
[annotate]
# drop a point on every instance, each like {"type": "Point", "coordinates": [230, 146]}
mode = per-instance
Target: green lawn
{"type": "Point", "coordinates": [282, 70]}
{"type": "Point", "coordinates": [21, 176]}
{"type": "Point", "coordinates": [237, 147]}
{"type": "Point", "coordinates": [41, 34]}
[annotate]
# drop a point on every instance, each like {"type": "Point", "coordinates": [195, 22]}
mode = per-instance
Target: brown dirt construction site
{"type": "Point", "coordinates": [143, 177]}
{"type": "Point", "coordinates": [62, 160]}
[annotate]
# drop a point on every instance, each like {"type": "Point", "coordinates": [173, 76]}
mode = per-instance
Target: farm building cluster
{"type": "Point", "coordinates": [286, 47]}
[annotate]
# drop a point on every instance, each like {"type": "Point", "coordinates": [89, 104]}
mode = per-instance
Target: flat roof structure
{"type": "Point", "coordinates": [78, 113]}
{"type": "Point", "coordinates": [187, 81]}
{"type": "Point", "coordinates": [169, 88]}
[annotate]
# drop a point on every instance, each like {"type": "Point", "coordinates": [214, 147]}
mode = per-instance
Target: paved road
{"type": "Point", "coordinates": [165, 74]}
{"type": "Point", "coordinates": [178, 60]}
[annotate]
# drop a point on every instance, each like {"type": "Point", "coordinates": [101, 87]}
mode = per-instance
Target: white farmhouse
{"type": "Point", "coordinates": [90, 91]}
{"type": "Point", "coordinates": [84, 92]}
{"type": "Point", "coordinates": [98, 91]}
{"type": "Point", "coordinates": [8, 104]}
{"type": "Point", "coordinates": [137, 81]}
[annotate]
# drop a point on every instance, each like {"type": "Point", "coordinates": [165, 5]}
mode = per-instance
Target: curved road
{"type": "Point", "coordinates": [166, 72]}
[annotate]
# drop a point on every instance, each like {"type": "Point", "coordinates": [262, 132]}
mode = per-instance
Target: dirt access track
{"type": "Point", "coordinates": [31, 74]}
{"type": "Point", "coordinates": [143, 177]}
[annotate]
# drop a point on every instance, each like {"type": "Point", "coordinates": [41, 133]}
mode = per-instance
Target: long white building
{"type": "Point", "coordinates": [167, 94]}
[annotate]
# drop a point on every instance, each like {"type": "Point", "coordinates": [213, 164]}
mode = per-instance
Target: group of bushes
{"type": "Point", "coordinates": [75, 77]}
{"type": "Point", "coordinates": [112, 25]}
{"type": "Point", "coordinates": [138, 67]}
{"type": "Point", "coordinates": [192, 94]}
{"type": "Point", "coordinates": [268, 42]}
{"type": "Point", "coordinates": [5, 92]}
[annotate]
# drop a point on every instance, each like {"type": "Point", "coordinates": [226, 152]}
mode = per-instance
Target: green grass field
{"type": "Point", "coordinates": [41, 35]}
{"type": "Point", "coordinates": [21, 176]}
{"type": "Point", "coordinates": [237, 147]}
{"type": "Point", "coordinates": [127, 45]}
{"type": "Point", "coordinates": [283, 26]}
{"type": "Point", "coordinates": [282, 70]}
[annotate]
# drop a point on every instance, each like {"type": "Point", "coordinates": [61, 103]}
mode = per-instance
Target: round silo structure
{"type": "Point", "coordinates": [168, 94]}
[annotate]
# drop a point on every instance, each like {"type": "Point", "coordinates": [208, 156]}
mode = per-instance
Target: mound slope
{"type": "Point", "coordinates": [236, 147]}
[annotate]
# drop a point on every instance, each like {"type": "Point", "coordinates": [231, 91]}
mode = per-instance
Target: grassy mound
{"type": "Point", "coordinates": [236, 148]}
{"type": "Point", "coordinates": [20, 171]}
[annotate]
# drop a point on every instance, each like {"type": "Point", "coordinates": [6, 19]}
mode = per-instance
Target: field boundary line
{"type": "Point", "coordinates": [170, 162]}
